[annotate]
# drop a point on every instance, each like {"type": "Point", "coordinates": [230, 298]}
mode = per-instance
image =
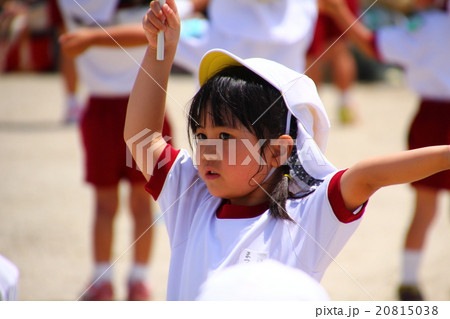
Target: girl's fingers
{"type": "Point", "coordinates": [157, 22]}
{"type": "Point", "coordinates": [164, 19]}
{"type": "Point", "coordinates": [154, 18]}
{"type": "Point", "coordinates": [157, 10]}
{"type": "Point", "coordinates": [171, 4]}
{"type": "Point", "coordinates": [148, 24]}
{"type": "Point", "coordinates": [170, 10]}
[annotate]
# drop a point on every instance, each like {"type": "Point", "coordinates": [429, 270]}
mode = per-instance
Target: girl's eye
{"type": "Point", "coordinates": [224, 136]}
{"type": "Point", "coordinates": [200, 136]}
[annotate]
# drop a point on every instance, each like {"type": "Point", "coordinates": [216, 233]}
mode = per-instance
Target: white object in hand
{"type": "Point", "coordinates": [160, 43]}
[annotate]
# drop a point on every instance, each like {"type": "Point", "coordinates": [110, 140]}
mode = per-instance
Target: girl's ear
{"type": "Point", "coordinates": [281, 150]}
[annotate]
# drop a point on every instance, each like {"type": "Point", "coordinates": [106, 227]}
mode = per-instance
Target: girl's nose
{"type": "Point", "coordinates": [211, 150]}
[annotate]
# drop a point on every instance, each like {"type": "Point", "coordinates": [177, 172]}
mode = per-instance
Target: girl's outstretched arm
{"type": "Point", "coordinates": [76, 42]}
{"type": "Point", "coordinates": [146, 106]}
{"type": "Point", "coordinates": [360, 181]}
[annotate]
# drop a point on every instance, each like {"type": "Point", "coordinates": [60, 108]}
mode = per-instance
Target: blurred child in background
{"type": "Point", "coordinates": [95, 29]}
{"type": "Point", "coordinates": [421, 47]}
{"type": "Point", "coordinates": [325, 50]}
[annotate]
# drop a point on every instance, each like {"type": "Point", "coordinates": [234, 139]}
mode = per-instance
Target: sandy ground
{"type": "Point", "coordinates": [45, 207]}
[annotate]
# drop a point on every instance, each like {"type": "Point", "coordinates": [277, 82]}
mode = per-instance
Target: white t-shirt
{"type": "Point", "coordinates": [207, 235]}
{"type": "Point", "coordinates": [422, 47]}
{"type": "Point", "coordinates": [278, 30]}
{"type": "Point", "coordinates": [105, 71]}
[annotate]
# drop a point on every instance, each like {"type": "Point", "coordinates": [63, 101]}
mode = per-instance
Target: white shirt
{"type": "Point", "coordinates": [105, 71]}
{"type": "Point", "coordinates": [202, 243]}
{"type": "Point", "coordinates": [278, 30]}
{"type": "Point", "coordinates": [422, 47]}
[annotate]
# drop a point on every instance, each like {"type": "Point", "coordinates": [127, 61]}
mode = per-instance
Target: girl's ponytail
{"type": "Point", "coordinates": [280, 194]}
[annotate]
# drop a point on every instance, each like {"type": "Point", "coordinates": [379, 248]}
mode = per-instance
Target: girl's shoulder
{"type": "Point", "coordinates": [324, 200]}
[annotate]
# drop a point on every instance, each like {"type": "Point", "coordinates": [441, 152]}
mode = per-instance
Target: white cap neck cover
{"type": "Point", "coordinates": [300, 95]}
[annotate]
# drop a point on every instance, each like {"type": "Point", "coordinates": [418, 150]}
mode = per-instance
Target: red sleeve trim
{"type": "Point", "coordinates": [337, 202]}
{"type": "Point", "coordinates": [156, 182]}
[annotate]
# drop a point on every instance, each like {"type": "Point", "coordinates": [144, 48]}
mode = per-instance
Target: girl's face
{"type": "Point", "coordinates": [229, 161]}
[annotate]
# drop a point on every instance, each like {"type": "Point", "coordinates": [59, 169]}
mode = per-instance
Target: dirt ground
{"type": "Point", "coordinates": [46, 208]}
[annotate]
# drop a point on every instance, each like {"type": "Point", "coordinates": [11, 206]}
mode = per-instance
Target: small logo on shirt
{"type": "Point", "coordinates": [252, 256]}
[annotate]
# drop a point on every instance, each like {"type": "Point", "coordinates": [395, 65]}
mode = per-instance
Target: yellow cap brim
{"type": "Point", "coordinates": [214, 61]}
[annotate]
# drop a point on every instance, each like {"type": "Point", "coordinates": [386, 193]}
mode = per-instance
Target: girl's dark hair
{"type": "Point", "coordinates": [237, 95]}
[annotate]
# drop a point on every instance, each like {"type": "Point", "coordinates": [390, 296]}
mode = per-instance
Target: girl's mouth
{"type": "Point", "coordinates": [211, 174]}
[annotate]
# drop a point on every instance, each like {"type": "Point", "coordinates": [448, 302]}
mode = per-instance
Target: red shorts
{"type": "Point", "coordinates": [431, 126]}
{"type": "Point", "coordinates": [327, 31]}
{"type": "Point", "coordinates": [105, 153]}
{"type": "Point", "coordinates": [54, 13]}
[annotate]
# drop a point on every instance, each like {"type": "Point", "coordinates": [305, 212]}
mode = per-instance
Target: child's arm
{"type": "Point", "coordinates": [360, 181]}
{"type": "Point", "coordinates": [147, 101]}
{"type": "Point", "coordinates": [76, 42]}
{"type": "Point", "coordinates": [347, 21]}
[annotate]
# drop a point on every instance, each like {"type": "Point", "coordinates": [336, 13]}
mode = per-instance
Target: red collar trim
{"type": "Point", "coordinates": [228, 211]}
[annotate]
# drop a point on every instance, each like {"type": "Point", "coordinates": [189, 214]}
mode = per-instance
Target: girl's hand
{"type": "Point", "coordinates": [162, 19]}
{"type": "Point", "coordinates": [75, 43]}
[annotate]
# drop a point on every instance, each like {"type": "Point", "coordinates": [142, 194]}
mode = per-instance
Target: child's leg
{"type": "Point", "coordinates": [106, 204]}
{"type": "Point", "coordinates": [143, 235]}
{"type": "Point", "coordinates": [344, 66]}
{"type": "Point", "coordinates": [426, 205]}
{"type": "Point", "coordinates": [315, 57]}
{"type": "Point", "coordinates": [425, 210]}
{"type": "Point", "coordinates": [142, 215]}
{"type": "Point", "coordinates": [315, 67]}
{"type": "Point", "coordinates": [344, 75]}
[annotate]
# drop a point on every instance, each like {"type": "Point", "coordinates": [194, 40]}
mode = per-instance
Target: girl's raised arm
{"type": "Point", "coordinates": [360, 181]}
{"type": "Point", "coordinates": [146, 106]}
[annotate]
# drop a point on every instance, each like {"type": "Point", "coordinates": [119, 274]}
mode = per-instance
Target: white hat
{"type": "Point", "coordinates": [300, 95]}
{"type": "Point", "coordinates": [267, 280]}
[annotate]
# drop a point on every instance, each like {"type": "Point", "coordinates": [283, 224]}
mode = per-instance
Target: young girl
{"type": "Point", "coordinates": [421, 47]}
{"type": "Point", "coordinates": [254, 193]}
